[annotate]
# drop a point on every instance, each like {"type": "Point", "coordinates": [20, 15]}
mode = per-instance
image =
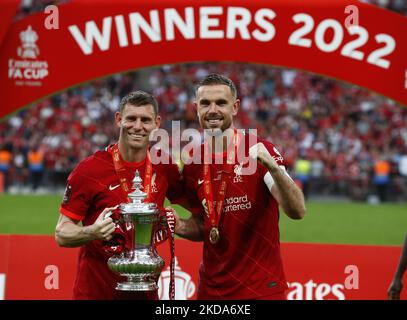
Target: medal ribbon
{"type": "Point", "coordinates": [215, 215]}
{"type": "Point", "coordinates": [121, 172]}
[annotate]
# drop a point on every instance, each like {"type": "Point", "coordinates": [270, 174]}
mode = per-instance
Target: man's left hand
{"type": "Point", "coordinates": [260, 152]}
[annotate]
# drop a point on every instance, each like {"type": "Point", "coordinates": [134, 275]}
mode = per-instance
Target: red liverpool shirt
{"type": "Point", "coordinates": [91, 187]}
{"type": "Point", "coordinates": [246, 262]}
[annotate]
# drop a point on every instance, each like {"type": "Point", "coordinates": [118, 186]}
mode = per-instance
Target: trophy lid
{"type": "Point", "coordinates": [137, 206]}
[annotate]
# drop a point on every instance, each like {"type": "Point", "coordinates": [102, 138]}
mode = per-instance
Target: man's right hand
{"type": "Point", "coordinates": [103, 227]}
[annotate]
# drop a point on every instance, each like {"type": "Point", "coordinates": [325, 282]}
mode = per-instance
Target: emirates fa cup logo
{"type": "Point", "coordinates": [184, 285]}
{"type": "Point", "coordinates": [28, 48]}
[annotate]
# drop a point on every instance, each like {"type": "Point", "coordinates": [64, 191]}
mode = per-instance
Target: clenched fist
{"type": "Point", "coordinates": [260, 152]}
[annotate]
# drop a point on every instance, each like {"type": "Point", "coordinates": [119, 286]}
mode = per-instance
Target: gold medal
{"type": "Point", "coordinates": [214, 235]}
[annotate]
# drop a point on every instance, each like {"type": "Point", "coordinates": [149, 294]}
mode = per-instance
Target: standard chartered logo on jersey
{"type": "Point", "coordinates": [184, 286]}
{"type": "Point", "coordinates": [232, 204]}
{"type": "Point", "coordinates": [237, 204]}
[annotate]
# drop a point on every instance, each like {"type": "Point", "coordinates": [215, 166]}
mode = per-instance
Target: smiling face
{"type": "Point", "coordinates": [136, 123]}
{"type": "Point", "coordinates": [216, 106]}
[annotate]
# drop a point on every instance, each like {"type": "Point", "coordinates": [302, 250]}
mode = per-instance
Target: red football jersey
{"type": "Point", "coordinates": [245, 263]}
{"type": "Point", "coordinates": [91, 187]}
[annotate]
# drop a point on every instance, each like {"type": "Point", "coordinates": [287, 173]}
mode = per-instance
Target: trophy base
{"type": "Point", "coordinates": [137, 286]}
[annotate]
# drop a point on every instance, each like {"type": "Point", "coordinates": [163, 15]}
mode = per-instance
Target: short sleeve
{"type": "Point", "coordinates": [268, 179]}
{"type": "Point", "coordinates": [77, 196]}
{"type": "Point", "coordinates": [275, 153]}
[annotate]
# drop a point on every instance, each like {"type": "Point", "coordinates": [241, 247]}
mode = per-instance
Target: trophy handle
{"type": "Point", "coordinates": [122, 235]}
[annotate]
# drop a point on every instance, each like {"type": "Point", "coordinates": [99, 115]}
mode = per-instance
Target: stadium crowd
{"type": "Point", "coordinates": [337, 139]}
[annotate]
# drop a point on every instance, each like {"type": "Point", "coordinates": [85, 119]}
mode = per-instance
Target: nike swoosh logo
{"type": "Point", "coordinates": [200, 181]}
{"type": "Point", "coordinates": [112, 188]}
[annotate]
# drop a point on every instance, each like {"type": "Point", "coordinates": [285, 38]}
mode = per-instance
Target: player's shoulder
{"type": "Point", "coordinates": [94, 164]}
{"type": "Point", "coordinates": [269, 146]}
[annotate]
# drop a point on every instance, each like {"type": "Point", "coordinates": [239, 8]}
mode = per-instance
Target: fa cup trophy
{"type": "Point", "coordinates": [139, 261]}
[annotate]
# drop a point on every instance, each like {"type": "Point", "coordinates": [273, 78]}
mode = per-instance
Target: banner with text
{"type": "Point", "coordinates": [314, 271]}
{"type": "Point", "coordinates": [343, 39]}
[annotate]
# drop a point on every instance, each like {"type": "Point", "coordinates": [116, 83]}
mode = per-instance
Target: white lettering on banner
{"type": "Point", "coordinates": [92, 33]}
{"type": "Point", "coordinates": [2, 285]}
{"type": "Point", "coordinates": [260, 18]}
{"type": "Point", "coordinates": [121, 31]}
{"type": "Point", "coordinates": [238, 20]}
{"type": "Point", "coordinates": [349, 50]}
{"type": "Point", "coordinates": [208, 22]}
{"type": "Point", "coordinates": [15, 73]}
{"type": "Point", "coordinates": [28, 68]}
{"type": "Point", "coordinates": [314, 291]}
{"type": "Point", "coordinates": [151, 30]}
{"type": "Point", "coordinates": [298, 38]}
{"type": "Point", "coordinates": [187, 27]}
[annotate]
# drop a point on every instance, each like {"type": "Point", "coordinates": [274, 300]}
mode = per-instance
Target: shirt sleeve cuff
{"type": "Point", "coordinates": [70, 214]}
{"type": "Point", "coordinates": [269, 181]}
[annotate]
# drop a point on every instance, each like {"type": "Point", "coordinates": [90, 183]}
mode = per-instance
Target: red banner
{"type": "Point", "coordinates": [7, 12]}
{"type": "Point", "coordinates": [343, 39]}
{"type": "Point", "coordinates": [314, 271]}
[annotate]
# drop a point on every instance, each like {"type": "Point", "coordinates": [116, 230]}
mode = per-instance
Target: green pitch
{"type": "Point", "coordinates": [325, 222]}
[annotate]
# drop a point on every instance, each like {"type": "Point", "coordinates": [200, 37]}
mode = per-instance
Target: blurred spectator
{"type": "Point", "coordinates": [338, 129]}
{"type": "Point", "coordinates": [317, 180]}
{"type": "Point", "coordinates": [382, 177]}
{"type": "Point", "coordinates": [35, 159]}
{"type": "Point", "coordinates": [402, 177]}
{"type": "Point", "coordinates": [20, 174]}
{"type": "Point", "coordinates": [5, 161]}
{"type": "Point", "coordinates": [399, 6]}
{"type": "Point", "coordinates": [302, 171]}
{"type": "Point", "coordinates": [403, 166]}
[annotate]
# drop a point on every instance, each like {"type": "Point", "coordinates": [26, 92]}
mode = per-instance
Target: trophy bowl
{"type": "Point", "coordinates": [139, 262]}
